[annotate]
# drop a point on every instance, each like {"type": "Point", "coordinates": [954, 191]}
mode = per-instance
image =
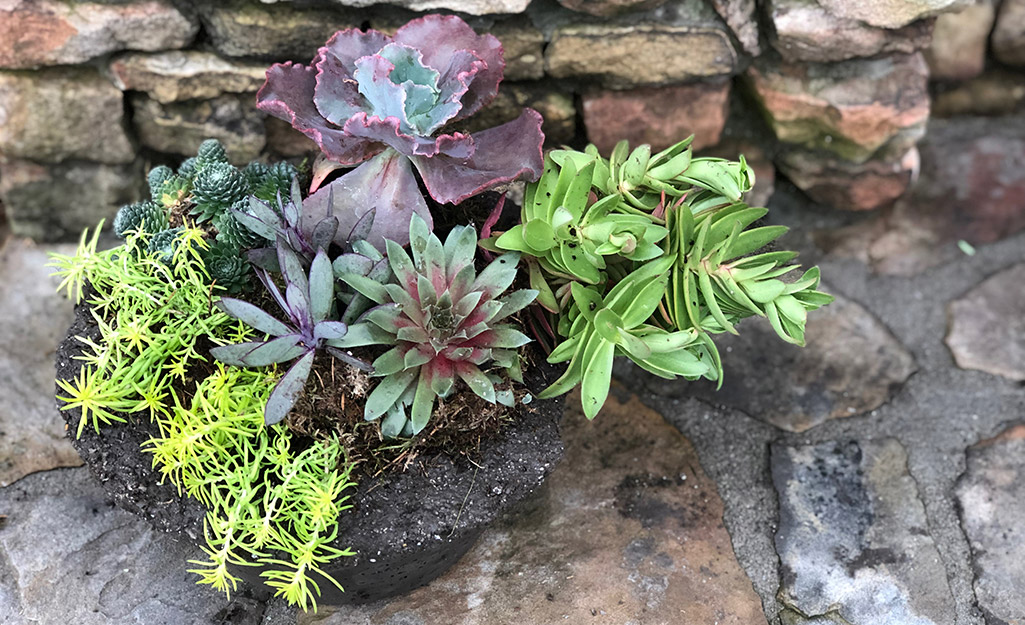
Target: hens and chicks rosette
{"type": "Point", "coordinates": [384, 102]}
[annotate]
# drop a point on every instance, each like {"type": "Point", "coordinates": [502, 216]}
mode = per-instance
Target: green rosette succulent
{"type": "Point", "coordinates": [276, 179]}
{"type": "Point", "coordinates": [164, 243]}
{"type": "Point", "coordinates": [231, 232]}
{"type": "Point", "coordinates": [227, 268]}
{"type": "Point", "coordinates": [443, 321]}
{"type": "Point", "coordinates": [215, 188]}
{"type": "Point", "coordinates": [210, 151]}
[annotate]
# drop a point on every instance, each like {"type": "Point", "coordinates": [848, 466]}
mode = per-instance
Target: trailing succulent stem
{"type": "Point", "coordinates": [671, 232]}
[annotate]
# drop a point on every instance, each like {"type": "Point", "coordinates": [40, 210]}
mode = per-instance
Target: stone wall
{"type": "Point", "coordinates": [835, 94]}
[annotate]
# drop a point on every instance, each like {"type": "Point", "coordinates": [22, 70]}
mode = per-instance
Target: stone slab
{"type": "Point", "coordinates": [35, 320]}
{"type": "Point", "coordinates": [994, 92]}
{"type": "Point", "coordinates": [851, 365]}
{"type": "Point", "coordinates": [628, 530]}
{"type": "Point", "coordinates": [56, 114]}
{"type": "Point", "coordinates": [659, 116]}
{"type": "Point", "coordinates": [959, 42]}
{"type": "Point", "coordinates": [987, 327]}
{"type": "Point", "coordinates": [68, 556]}
{"type": "Point", "coordinates": [179, 127]}
{"type": "Point", "coordinates": [850, 186]}
{"type": "Point", "coordinates": [554, 104]}
{"type": "Point", "coordinates": [890, 13]}
{"type": "Point", "coordinates": [970, 188]}
{"type": "Point", "coordinates": [853, 539]}
{"type": "Point", "coordinates": [35, 33]}
{"type": "Point", "coordinates": [685, 37]}
{"type": "Point", "coordinates": [851, 109]}
{"type": "Point", "coordinates": [1008, 36]}
{"type": "Point", "coordinates": [36, 196]}
{"type": "Point", "coordinates": [807, 31]}
{"type": "Point", "coordinates": [992, 497]}
{"type": "Point", "coordinates": [185, 75]}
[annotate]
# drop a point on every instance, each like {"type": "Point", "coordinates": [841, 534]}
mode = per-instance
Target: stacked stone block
{"type": "Point", "coordinates": [94, 92]}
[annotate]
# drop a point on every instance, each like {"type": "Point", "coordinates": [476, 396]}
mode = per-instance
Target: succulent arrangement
{"type": "Point", "coordinates": [638, 254]}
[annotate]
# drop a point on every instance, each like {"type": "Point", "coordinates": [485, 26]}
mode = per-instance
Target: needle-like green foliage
{"type": "Point", "coordinates": [269, 502]}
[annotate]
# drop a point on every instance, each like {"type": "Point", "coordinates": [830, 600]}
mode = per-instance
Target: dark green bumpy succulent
{"type": "Point", "coordinates": [277, 179]}
{"type": "Point", "coordinates": [164, 243]}
{"type": "Point", "coordinates": [157, 178]}
{"type": "Point", "coordinates": [146, 216]}
{"type": "Point", "coordinates": [232, 233]}
{"type": "Point", "coordinates": [210, 151]}
{"type": "Point", "coordinates": [215, 188]}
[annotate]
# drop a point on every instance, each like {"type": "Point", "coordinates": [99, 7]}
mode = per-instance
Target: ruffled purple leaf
{"type": "Point", "coordinates": [505, 153]}
{"type": "Point", "coordinates": [288, 94]}
{"type": "Point", "coordinates": [441, 39]}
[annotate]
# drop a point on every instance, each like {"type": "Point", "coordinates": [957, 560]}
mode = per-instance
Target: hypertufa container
{"type": "Point", "coordinates": [406, 528]}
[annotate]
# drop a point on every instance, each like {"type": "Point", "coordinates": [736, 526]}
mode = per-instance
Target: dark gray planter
{"type": "Point", "coordinates": [406, 528]}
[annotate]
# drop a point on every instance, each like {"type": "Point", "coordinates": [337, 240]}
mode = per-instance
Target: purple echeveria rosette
{"type": "Point", "coordinates": [378, 100]}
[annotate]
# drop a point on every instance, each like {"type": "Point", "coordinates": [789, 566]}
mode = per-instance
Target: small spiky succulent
{"type": "Point", "coordinates": [146, 217]}
{"type": "Point", "coordinates": [276, 179]}
{"type": "Point", "coordinates": [215, 188]}
{"type": "Point", "coordinates": [308, 301]}
{"type": "Point", "coordinates": [188, 168]}
{"type": "Point", "coordinates": [209, 152]}
{"type": "Point", "coordinates": [232, 233]}
{"type": "Point", "coordinates": [443, 320]}
{"type": "Point", "coordinates": [226, 268]}
{"type": "Point", "coordinates": [157, 178]}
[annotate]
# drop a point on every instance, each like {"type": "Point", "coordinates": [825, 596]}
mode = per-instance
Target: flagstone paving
{"type": "Point", "coordinates": [880, 482]}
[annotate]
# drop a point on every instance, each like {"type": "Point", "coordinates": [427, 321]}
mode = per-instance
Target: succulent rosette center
{"type": "Point", "coordinates": [384, 101]}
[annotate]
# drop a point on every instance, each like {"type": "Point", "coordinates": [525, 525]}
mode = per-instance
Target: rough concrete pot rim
{"type": "Point", "coordinates": [515, 463]}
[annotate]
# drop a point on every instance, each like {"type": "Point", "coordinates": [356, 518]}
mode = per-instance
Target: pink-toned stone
{"type": "Point", "coordinates": [627, 530]}
{"type": "Point", "coordinates": [846, 185]}
{"type": "Point", "coordinates": [62, 113]}
{"type": "Point", "coordinates": [890, 13]}
{"type": "Point", "coordinates": [742, 18]}
{"type": "Point", "coordinates": [958, 49]}
{"type": "Point", "coordinates": [851, 108]}
{"type": "Point", "coordinates": [185, 75]}
{"type": "Point", "coordinates": [659, 116]}
{"type": "Point", "coordinates": [1008, 37]}
{"type": "Point", "coordinates": [807, 31]}
{"type": "Point", "coordinates": [971, 188]}
{"type": "Point", "coordinates": [610, 8]}
{"type": "Point", "coordinates": [34, 33]}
